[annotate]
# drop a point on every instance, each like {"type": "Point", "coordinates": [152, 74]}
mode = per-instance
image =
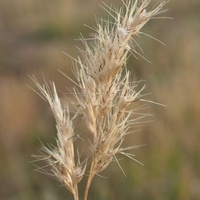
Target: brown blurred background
{"type": "Point", "coordinates": [33, 35]}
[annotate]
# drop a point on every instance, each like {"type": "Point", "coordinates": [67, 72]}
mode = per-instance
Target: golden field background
{"type": "Point", "coordinates": [33, 35]}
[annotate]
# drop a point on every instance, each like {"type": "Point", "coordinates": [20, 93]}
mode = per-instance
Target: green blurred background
{"type": "Point", "coordinates": [33, 35]}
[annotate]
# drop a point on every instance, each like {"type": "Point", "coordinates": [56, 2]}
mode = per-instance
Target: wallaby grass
{"type": "Point", "coordinates": [102, 94]}
{"type": "Point", "coordinates": [171, 154]}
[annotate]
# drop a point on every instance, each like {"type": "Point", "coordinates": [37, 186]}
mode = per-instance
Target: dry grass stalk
{"type": "Point", "coordinates": [103, 95]}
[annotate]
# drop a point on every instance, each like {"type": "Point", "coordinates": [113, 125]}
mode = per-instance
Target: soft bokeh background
{"type": "Point", "coordinates": [33, 35]}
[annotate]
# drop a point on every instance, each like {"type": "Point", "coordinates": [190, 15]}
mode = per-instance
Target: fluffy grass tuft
{"type": "Point", "coordinates": [103, 92]}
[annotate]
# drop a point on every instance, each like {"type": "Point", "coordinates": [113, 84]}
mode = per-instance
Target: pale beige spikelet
{"type": "Point", "coordinates": [106, 89]}
{"type": "Point", "coordinates": [61, 159]}
{"type": "Point", "coordinates": [102, 97]}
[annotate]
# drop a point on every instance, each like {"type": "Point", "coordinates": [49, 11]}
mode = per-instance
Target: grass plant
{"type": "Point", "coordinates": [102, 95]}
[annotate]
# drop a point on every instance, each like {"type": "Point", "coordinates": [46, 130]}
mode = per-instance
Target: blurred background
{"type": "Point", "coordinates": [33, 35]}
